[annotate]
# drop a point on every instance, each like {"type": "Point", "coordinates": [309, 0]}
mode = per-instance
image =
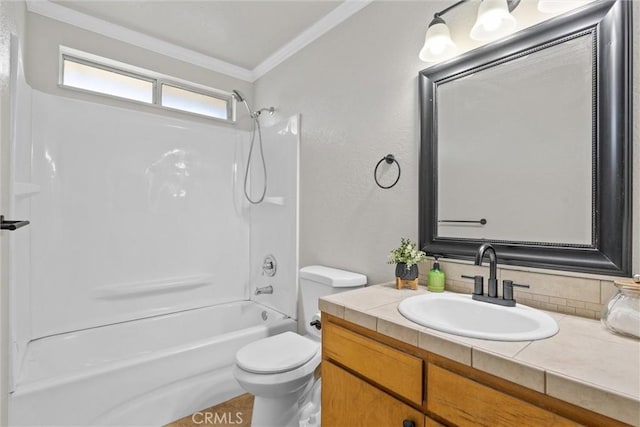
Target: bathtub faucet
{"type": "Point", "coordinates": [264, 290]}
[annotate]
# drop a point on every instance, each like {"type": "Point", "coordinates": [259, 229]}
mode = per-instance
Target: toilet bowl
{"type": "Point", "coordinates": [263, 368]}
{"type": "Point", "coordinates": [279, 393]}
{"type": "Point", "coordinates": [280, 371]}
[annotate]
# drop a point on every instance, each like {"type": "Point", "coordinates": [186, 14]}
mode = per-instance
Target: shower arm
{"type": "Point", "coordinates": [270, 110]}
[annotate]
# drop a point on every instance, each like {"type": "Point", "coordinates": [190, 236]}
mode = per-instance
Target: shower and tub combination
{"type": "Point", "coordinates": [135, 284]}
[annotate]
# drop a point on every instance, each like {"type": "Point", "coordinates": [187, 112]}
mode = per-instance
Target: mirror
{"type": "Point", "coordinates": [526, 144]}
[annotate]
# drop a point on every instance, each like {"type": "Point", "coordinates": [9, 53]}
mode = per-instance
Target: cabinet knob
{"type": "Point", "coordinates": [408, 423]}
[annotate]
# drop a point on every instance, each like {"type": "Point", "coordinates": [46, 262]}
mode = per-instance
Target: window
{"type": "Point", "coordinates": [96, 79]}
{"type": "Point", "coordinates": [83, 71]}
{"type": "Point", "coordinates": [193, 102]}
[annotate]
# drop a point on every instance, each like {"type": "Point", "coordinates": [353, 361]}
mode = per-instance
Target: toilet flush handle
{"type": "Point", "coordinates": [316, 324]}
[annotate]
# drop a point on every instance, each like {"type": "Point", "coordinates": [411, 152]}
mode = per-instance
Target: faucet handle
{"type": "Point", "coordinates": [507, 289]}
{"type": "Point", "coordinates": [478, 284]}
{"type": "Point", "coordinates": [269, 266]}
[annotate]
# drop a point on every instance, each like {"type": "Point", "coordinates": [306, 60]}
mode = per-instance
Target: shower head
{"type": "Point", "coordinates": [253, 114]}
{"type": "Point", "coordinates": [236, 93]}
{"type": "Point", "coordinates": [240, 98]}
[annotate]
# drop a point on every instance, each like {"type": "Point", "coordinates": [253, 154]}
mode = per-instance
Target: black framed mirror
{"type": "Point", "coordinates": [526, 143]}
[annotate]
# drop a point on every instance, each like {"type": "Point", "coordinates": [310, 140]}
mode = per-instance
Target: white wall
{"type": "Point", "coordinates": [356, 89]}
{"type": "Point", "coordinates": [12, 20]}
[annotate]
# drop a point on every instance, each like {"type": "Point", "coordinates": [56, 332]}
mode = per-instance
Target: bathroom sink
{"type": "Point", "coordinates": [460, 315]}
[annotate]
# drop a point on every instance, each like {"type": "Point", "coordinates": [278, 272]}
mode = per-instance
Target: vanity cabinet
{"type": "Point", "coordinates": [369, 379]}
{"type": "Point", "coordinates": [355, 402]}
{"type": "Point", "coordinates": [461, 401]}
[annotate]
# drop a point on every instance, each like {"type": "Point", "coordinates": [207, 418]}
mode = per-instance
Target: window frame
{"type": "Point", "coordinates": [159, 96]}
{"type": "Point", "coordinates": [156, 79]}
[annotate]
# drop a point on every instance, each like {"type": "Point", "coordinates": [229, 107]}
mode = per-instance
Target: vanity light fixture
{"type": "Point", "coordinates": [438, 45]}
{"type": "Point", "coordinates": [437, 42]}
{"type": "Point", "coordinates": [494, 21]}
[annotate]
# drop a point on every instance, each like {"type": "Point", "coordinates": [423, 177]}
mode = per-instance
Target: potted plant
{"type": "Point", "coordinates": [406, 257]}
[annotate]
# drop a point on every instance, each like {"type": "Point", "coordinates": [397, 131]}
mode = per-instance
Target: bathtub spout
{"type": "Point", "coordinates": [264, 290]}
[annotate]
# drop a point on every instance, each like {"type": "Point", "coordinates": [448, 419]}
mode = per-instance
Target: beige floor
{"type": "Point", "coordinates": [235, 412]}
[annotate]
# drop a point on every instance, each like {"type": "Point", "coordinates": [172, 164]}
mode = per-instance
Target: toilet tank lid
{"type": "Point", "coordinates": [332, 276]}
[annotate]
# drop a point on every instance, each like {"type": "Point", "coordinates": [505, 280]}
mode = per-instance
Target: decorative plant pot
{"type": "Point", "coordinates": [406, 276]}
{"type": "Point", "coordinates": [404, 273]}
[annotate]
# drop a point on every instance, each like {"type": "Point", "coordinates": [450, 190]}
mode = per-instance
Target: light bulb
{"type": "Point", "coordinates": [438, 45]}
{"type": "Point", "coordinates": [494, 21]}
{"type": "Point", "coordinates": [491, 21]}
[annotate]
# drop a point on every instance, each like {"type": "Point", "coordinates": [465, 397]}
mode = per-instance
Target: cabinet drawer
{"type": "Point", "coordinates": [349, 401]}
{"type": "Point", "coordinates": [399, 372]}
{"type": "Point", "coordinates": [462, 401]}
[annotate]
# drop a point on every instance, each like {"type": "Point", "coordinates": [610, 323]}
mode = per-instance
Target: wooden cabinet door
{"type": "Point", "coordinates": [380, 364]}
{"type": "Point", "coordinates": [348, 401]}
{"type": "Point", "coordinates": [430, 422]}
{"type": "Point", "coordinates": [465, 402]}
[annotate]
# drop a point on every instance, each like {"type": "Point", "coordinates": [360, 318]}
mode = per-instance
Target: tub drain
{"type": "Point", "coordinates": [265, 316]}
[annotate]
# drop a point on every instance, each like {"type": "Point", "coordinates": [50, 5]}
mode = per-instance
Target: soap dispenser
{"type": "Point", "coordinates": [436, 277]}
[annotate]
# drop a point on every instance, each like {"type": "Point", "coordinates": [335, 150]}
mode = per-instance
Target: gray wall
{"type": "Point", "coordinates": [356, 88]}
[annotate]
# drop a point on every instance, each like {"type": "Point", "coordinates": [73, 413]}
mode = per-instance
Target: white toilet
{"type": "Point", "coordinates": [279, 370]}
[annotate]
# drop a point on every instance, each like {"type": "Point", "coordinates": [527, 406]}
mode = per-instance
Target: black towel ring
{"type": "Point", "coordinates": [389, 158]}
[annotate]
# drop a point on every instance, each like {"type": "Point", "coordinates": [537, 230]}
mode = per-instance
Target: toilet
{"type": "Point", "coordinates": [279, 370]}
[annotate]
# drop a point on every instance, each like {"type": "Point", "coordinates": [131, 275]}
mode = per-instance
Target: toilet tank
{"type": "Point", "coordinates": [317, 281]}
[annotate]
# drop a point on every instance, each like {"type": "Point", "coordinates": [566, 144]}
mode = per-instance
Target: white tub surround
{"type": "Point", "coordinates": [138, 215]}
{"type": "Point", "coordinates": [131, 289]}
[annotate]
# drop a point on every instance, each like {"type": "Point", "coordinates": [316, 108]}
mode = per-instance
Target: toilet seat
{"type": "Point", "coordinates": [279, 353]}
{"type": "Point", "coordinates": [279, 384]}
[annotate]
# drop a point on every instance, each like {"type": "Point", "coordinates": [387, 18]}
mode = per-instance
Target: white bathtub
{"type": "Point", "coordinates": [146, 372]}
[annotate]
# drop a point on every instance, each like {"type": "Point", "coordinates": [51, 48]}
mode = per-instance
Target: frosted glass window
{"type": "Point", "coordinates": [194, 102]}
{"type": "Point", "coordinates": [96, 79]}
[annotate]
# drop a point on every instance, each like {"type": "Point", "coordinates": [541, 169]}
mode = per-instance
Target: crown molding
{"type": "Point", "coordinates": [105, 28]}
{"type": "Point", "coordinates": [322, 26]}
{"type": "Point", "coordinates": [135, 38]}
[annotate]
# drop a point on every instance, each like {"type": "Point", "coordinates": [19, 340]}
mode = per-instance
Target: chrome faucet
{"type": "Point", "coordinates": [492, 282]}
{"type": "Point", "coordinates": [264, 290]}
{"type": "Point", "coordinates": [269, 266]}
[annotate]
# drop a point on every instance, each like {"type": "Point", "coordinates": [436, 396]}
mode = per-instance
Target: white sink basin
{"type": "Point", "coordinates": [460, 315]}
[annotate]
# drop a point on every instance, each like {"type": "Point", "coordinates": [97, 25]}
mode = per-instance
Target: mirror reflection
{"type": "Point", "coordinates": [515, 156]}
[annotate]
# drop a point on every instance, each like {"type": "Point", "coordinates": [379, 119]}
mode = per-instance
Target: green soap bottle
{"type": "Point", "coordinates": [436, 278]}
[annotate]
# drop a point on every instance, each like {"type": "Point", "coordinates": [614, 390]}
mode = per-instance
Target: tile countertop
{"type": "Point", "coordinates": [583, 363]}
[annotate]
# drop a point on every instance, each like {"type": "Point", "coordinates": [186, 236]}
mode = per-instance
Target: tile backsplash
{"type": "Point", "coordinates": [563, 292]}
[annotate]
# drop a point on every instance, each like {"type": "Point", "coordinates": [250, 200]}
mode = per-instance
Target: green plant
{"type": "Point", "coordinates": [407, 252]}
